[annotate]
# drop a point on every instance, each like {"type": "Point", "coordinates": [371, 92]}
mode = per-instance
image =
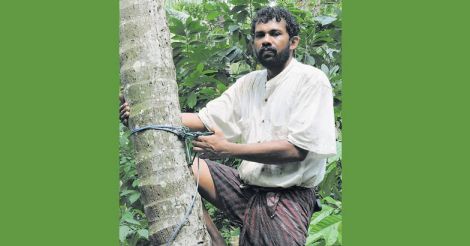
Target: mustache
{"type": "Point", "coordinates": [267, 48]}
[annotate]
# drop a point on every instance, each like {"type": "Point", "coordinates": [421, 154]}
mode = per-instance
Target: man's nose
{"type": "Point", "coordinates": [267, 40]}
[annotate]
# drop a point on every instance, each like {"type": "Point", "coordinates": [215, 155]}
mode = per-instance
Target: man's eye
{"type": "Point", "coordinates": [259, 35]}
{"type": "Point", "coordinates": [275, 34]}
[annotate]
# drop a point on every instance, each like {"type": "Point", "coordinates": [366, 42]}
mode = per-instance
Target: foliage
{"type": "Point", "coordinates": [211, 49]}
{"type": "Point", "coordinates": [133, 226]}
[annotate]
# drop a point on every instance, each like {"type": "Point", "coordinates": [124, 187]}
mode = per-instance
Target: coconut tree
{"type": "Point", "coordinates": [148, 77]}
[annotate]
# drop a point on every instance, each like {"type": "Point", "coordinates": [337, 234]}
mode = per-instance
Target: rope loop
{"type": "Point", "coordinates": [184, 133]}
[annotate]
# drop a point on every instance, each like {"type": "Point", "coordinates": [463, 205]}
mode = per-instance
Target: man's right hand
{"type": "Point", "coordinates": [124, 111]}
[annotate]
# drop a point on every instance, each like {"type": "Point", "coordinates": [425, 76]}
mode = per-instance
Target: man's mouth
{"type": "Point", "coordinates": [268, 52]}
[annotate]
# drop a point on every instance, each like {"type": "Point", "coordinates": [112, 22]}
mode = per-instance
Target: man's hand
{"type": "Point", "coordinates": [124, 110]}
{"type": "Point", "coordinates": [212, 147]}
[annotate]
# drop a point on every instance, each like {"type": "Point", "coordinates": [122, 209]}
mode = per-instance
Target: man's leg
{"type": "Point", "coordinates": [207, 191]}
{"type": "Point", "coordinates": [278, 218]}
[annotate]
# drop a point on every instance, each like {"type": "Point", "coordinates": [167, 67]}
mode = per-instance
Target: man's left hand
{"type": "Point", "coordinates": [212, 147]}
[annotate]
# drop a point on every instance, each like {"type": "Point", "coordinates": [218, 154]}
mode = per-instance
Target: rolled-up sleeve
{"type": "Point", "coordinates": [311, 126]}
{"type": "Point", "coordinates": [223, 113]}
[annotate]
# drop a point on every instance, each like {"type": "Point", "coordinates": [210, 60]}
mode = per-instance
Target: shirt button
{"type": "Point", "coordinates": [265, 99]}
{"type": "Point", "coordinates": [262, 121]}
{"type": "Point", "coordinates": [259, 141]}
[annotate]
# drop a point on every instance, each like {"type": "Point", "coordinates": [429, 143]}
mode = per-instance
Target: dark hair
{"type": "Point", "coordinates": [266, 14]}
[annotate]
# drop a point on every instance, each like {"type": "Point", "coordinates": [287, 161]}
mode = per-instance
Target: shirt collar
{"type": "Point", "coordinates": [278, 79]}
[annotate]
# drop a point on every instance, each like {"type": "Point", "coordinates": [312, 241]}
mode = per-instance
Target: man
{"type": "Point", "coordinates": [280, 122]}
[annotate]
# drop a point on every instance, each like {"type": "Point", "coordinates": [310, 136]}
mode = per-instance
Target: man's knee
{"type": "Point", "coordinates": [206, 184]}
{"type": "Point", "coordinates": [198, 167]}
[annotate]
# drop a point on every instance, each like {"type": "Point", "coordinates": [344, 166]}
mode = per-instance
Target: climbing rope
{"type": "Point", "coordinates": [183, 133]}
{"type": "Point", "coordinates": [186, 135]}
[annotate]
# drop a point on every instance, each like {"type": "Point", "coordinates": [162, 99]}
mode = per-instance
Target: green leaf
{"type": "Point", "coordinates": [207, 91]}
{"type": "Point", "coordinates": [126, 192]}
{"type": "Point", "coordinates": [309, 59]}
{"type": "Point", "coordinates": [325, 69]}
{"type": "Point", "coordinates": [318, 216]}
{"type": "Point", "coordinates": [176, 26]}
{"type": "Point", "coordinates": [325, 223]}
{"type": "Point", "coordinates": [129, 218]}
{"type": "Point", "coordinates": [200, 67]}
{"type": "Point", "coordinates": [192, 100]}
{"type": "Point", "coordinates": [221, 87]}
{"type": "Point", "coordinates": [325, 20]}
{"type": "Point", "coordinates": [124, 231]}
{"type": "Point", "coordinates": [332, 201]}
{"type": "Point", "coordinates": [327, 229]}
{"type": "Point", "coordinates": [213, 15]}
{"type": "Point", "coordinates": [233, 28]}
{"type": "Point", "coordinates": [209, 71]}
{"type": "Point", "coordinates": [143, 233]}
{"type": "Point", "coordinates": [134, 197]}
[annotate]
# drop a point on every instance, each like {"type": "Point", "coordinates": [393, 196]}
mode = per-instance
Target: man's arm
{"type": "Point", "coordinates": [192, 121]}
{"type": "Point", "coordinates": [272, 152]}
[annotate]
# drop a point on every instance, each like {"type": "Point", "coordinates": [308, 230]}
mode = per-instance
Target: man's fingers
{"type": "Point", "coordinates": [124, 115]}
{"type": "Point", "coordinates": [124, 106]}
{"type": "Point", "coordinates": [202, 138]}
{"type": "Point", "coordinates": [124, 110]}
{"type": "Point", "coordinates": [199, 144]}
{"type": "Point", "coordinates": [197, 149]}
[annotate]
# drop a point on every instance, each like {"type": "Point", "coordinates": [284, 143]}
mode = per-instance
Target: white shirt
{"type": "Point", "coordinates": [296, 105]}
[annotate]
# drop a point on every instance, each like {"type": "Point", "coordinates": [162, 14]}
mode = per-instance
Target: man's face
{"type": "Point", "coordinates": [272, 44]}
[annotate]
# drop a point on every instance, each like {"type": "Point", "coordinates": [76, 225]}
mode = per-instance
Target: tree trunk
{"type": "Point", "coordinates": [149, 81]}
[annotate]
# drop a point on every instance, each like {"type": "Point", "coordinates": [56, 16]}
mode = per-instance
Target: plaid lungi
{"type": "Point", "coordinates": [266, 216]}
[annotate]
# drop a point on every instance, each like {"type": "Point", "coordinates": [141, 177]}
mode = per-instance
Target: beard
{"type": "Point", "coordinates": [270, 58]}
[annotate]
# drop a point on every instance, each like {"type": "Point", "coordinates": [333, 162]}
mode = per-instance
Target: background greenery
{"type": "Point", "coordinates": [211, 49]}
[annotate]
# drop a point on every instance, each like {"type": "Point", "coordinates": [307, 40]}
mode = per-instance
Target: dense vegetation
{"type": "Point", "coordinates": [211, 49]}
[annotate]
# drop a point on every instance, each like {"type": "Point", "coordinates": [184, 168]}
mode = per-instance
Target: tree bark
{"type": "Point", "coordinates": [148, 77]}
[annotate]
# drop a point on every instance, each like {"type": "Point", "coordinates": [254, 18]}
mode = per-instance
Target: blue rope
{"type": "Point", "coordinates": [189, 210]}
{"type": "Point", "coordinates": [185, 134]}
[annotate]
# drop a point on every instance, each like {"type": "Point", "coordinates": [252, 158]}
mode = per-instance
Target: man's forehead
{"type": "Point", "coordinates": [270, 25]}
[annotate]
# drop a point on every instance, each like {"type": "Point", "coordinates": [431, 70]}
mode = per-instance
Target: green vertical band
{"type": "Point", "coordinates": [405, 122]}
{"type": "Point", "coordinates": [59, 128]}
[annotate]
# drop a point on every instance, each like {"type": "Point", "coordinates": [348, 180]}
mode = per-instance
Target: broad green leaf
{"type": "Point", "coordinates": [134, 197]}
{"type": "Point", "coordinates": [192, 100]}
{"type": "Point", "coordinates": [126, 192]}
{"type": "Point", "coordinates": [132, 221]}
{"type": "Point", "coordinates": [135, 183]}
{"type": "Point", "coordinates": [232, 28]}
{"type": "Point", "coordinates": [200, 67]}
{"type": "Point", "coordinates": [209, 71]}
{"type": "Point", "coordinates": [332, 201]}
{"type": "Point", "coordinates": [212, 15]}
{"type": "Point", "coordinates": [208, 91]}
{"type": "Point", "coordinates": [309, 59]}
{"type": "Point", "coordinates": [325, 69]}
{"type": "Point", "coordinates": [318, 216]}
{"type": "Point", "coordinates": [325, 223]}
{"type": "Point", "coordinates": [143, 233]}
{"type": "Point", "coordinates": [177, 26]}
{"type": "Point", "coordinates": [325, 20]}
{"type": "Point", "coordinates": [124, 231]}
{"type": "Point", "coordinates": [221, 87]}
{"type": "Point", "coordinates": [327, 229]}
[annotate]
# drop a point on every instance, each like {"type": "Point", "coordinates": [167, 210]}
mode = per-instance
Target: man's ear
{"type": "Point", "coordinates": [294, 42]}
